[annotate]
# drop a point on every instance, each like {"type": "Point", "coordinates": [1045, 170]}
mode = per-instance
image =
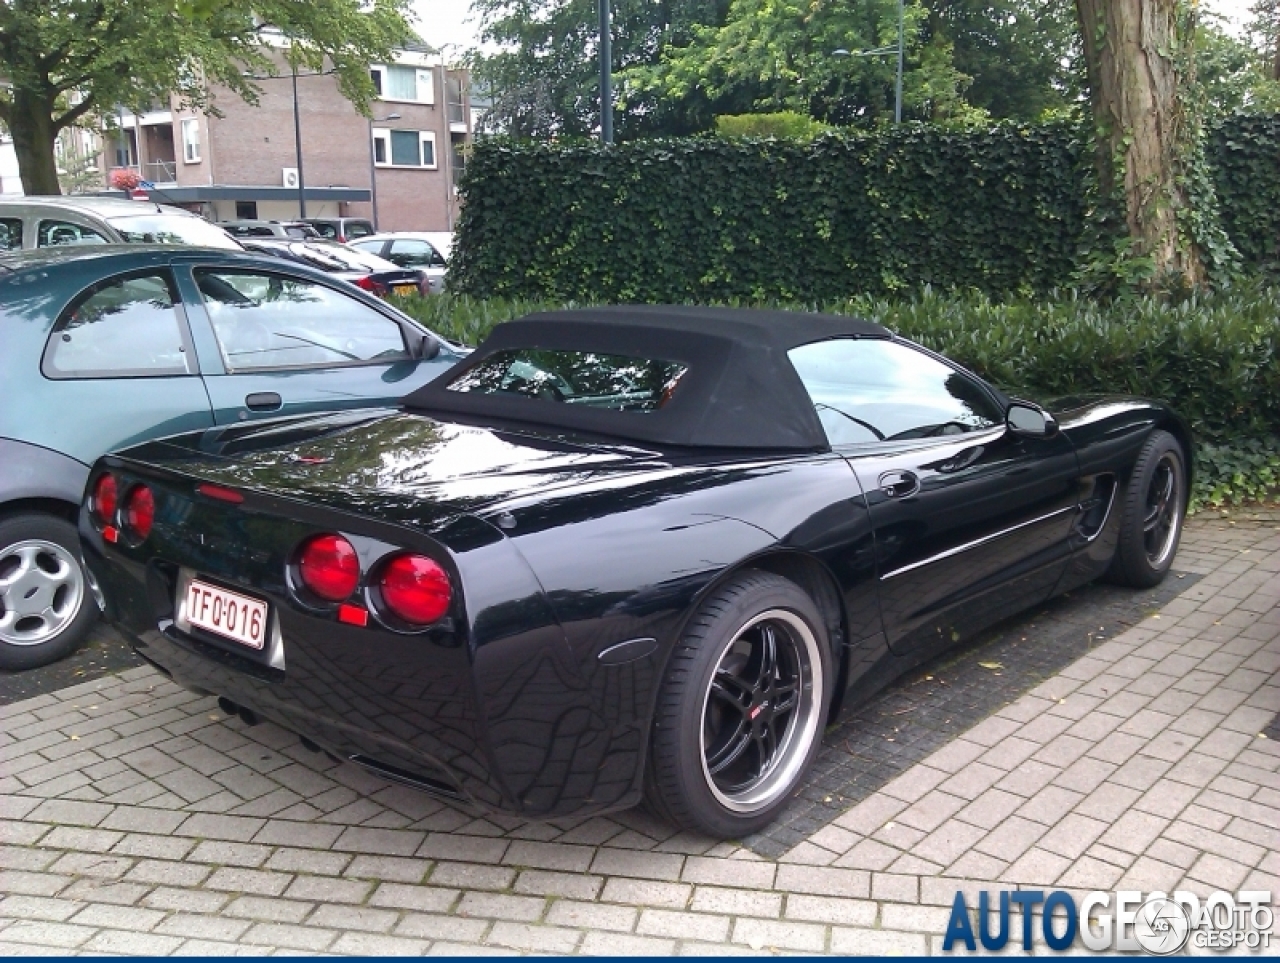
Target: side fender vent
{"type": "Point", "coordinates": [1096, 509]}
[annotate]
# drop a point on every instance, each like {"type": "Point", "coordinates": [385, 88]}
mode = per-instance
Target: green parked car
{"type": "Point", "coordinates": [104, 346]}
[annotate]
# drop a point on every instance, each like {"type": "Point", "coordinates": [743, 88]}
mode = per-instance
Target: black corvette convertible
{"type": "Point", "coordinates": [622, 553]}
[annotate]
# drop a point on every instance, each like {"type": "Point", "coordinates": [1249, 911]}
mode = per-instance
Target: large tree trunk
{"type": "Point", "coordinates": [32, 127]}
{"type": "Point", "coordinates": [1143, 137]}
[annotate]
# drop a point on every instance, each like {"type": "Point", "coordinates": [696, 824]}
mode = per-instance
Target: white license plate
{"type": "Point", "coordinates": [228, 614]}
{"type": "Point", "coordinates": [405, 289]}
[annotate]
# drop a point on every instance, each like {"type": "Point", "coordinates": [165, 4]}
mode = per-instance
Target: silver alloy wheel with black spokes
{"type": "Point", "coordinates": [760, 711]}
{"type": "Point", "coordinates": [1154, 504]}
{"type": "Point", "coordinates": [1163, 515]}
{"type": "Point", "coordinates": [743, 702]}
{"type": "Point", "coordinates": [46, 608]}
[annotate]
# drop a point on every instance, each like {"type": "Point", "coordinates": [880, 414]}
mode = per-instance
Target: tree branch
{"type": "Point", "coordinates": [75, 113]}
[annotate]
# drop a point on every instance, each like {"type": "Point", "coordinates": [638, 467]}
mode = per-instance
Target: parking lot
{"type": "Point", "coordinates": [1112, 740]}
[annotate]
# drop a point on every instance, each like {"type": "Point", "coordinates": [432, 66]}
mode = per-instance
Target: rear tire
{"type": "Point", "coordinates": [1155, 503]}
{"type": "Point", "coordinates": [742, 708]}
{"type": "Point", "coordinates": [46, 607]}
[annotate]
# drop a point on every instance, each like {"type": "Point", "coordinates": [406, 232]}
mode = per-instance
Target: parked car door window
{"type": "Point", "coordinates": [125, 327]}
{"type": "Point", "coordinates": [274, 321]}
{"type": "Point", "coordinates": [358, 229]}
{"type": "Point", "coordinates": [410, 253]}
{"type": "Point", "coordinates": [53, 233]}
{"type": "Point", "coordinates": [10, 233]}
{"type": "Point", "coordinates": [868, 390]}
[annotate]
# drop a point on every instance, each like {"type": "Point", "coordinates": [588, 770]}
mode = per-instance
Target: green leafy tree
{"type": "Point", "coordinates": [545, 81]}
{"type": "Point", "coordinates": [71, 60]}
{"type": "Point", "coordinates": [1232, 75]}
{"type": "Point", "coordinates": [780, 55]}
{"type": "Point", "coordinates": [1022, 55]}
{"type": "Point", "coordinates": [966, 60]}
{"type": "Point", "coordinates": [1264, 35]}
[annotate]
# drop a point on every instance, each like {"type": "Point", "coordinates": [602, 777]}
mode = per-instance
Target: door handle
{"type": "Point", "coordinates": [899, 484]}
{"type": "Point", "coordinates": [263, 401]}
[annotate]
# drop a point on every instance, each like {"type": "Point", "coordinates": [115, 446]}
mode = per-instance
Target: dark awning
{"type": "Point", "coordinates": [192, 194]}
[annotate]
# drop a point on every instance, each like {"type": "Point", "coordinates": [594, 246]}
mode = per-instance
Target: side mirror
{"type": "Point", "coordinates": [1030, 421]}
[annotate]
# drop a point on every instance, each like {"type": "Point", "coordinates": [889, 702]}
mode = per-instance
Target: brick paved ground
{"type": "Point", "coordinates": [135, 818]}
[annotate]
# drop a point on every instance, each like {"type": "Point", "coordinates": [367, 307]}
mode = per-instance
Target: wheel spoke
{"type": "Point", "coordinates": [785, 697]}
{"type": "Point", "coordinates": [26, 561]}
{"type": "Point", "coordinates": [767, 743]}
{"type": "Point", "coordinates": [733, 748]}
{"type": "Point", "coordinates": [767, 650]}
{"type": "Point", "coordinates": [723, 694]}
{"type": "Point", "coordinates": [1152, 519]}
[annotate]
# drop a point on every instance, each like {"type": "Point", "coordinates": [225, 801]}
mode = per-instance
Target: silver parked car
{"type": "Point", "coordinates": [409, 249]}
{"type": "Point", "coordinates": [27, 223]}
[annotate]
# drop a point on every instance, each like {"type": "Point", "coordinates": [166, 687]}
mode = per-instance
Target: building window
{"type": "Point", "coordinates": [398, 82]}
{"type": "Point", "coordinates": [404, 148]}
{"type": "Point", "coordinates": [246, 210]}
{"type": "Point", "coordinates": [191, 140]}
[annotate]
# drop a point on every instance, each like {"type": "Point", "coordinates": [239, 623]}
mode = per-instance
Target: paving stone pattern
{"type": "Point", "coordinates": [104, 653]}
{"type": "Point", "coordinates": [136, 818]}
{"type": "Point", "coordinates": [929, 707]}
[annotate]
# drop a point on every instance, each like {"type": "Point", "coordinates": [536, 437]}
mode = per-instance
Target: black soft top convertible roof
{"type": "Point", "coordinates": [740, 390]}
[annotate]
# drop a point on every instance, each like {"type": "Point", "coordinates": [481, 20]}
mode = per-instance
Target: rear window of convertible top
{"type": "Point", "coordinates": [587, 378]}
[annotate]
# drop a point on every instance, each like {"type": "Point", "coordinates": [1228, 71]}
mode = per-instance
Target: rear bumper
{"type": "Point", "coordinates": [500, 728]}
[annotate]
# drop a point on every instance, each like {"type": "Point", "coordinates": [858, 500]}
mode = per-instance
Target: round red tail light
{"type": "Point", "coordinates": [139, 511]}
{"type": "Point", "coordinates": [416, 589]}
{"type": "Point", "coordinates": [104, 499]}
{"type": "Point", "coordinates": [330, 567]}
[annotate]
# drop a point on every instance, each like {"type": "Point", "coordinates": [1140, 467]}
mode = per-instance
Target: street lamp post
{"type": "Point", "coordinates": [297, 148]}
{"type": "Point", "coordinates": [897, 94]}
{"type": "Point", "coordinates": [297, 126]}
{"type": "Point", "coordinates": [606, 78]}
{"type": "Point", "coordinates": [884, 51]}
{"type": "Point", "coordinates": [373, 168]}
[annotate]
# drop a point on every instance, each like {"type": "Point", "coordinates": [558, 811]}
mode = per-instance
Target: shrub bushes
{"type": "Point", "coordinates": [1215, 358]}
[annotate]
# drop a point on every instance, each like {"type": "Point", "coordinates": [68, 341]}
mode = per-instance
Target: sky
{"type": "Point", "coordinates": [443, 22]}
{"type": "Point", "coordinates": [450, 22]}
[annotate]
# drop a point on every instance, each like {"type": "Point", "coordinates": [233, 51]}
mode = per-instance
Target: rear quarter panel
{"type": "Point", "coordinates": [628, 560]}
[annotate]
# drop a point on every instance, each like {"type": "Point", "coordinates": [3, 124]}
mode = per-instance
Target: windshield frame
{"type": "Point", "coordinates": [210, 235]}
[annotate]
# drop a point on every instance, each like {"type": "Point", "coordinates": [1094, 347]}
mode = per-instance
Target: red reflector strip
{"type": "Point", "coordinates": [110, 534]}
{"type": "Point", "coordinates": [353, 615]}
{"type": "Point", "coordinates": [220, 494]}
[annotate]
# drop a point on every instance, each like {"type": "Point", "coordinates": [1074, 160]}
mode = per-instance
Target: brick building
{"type": "Point", "coordinates": [244, 164]}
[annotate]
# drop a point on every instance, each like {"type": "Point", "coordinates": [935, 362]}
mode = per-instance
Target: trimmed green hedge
{"type": "Point", "coordinates": [1244, 154]}
{"type": "Point", "coordinates": [1214, 357]}
{"type": "Point", "coordinates": [1000, 210]}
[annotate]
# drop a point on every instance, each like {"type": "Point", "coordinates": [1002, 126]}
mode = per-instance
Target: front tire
{"type": "Point", "coordinates": [742, 708]}
{"type": "Point", "coordinates": [1155, 504]}
{"type": "Point", "coordinates": [46, 608]}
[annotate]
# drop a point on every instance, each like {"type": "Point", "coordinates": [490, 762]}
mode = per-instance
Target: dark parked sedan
{"type": "Point", "coordinates": [623, 552]}
{"type": "Point", "coordinates": [109, 345]}
{"type": "Point", "coordinates": [366, 271]}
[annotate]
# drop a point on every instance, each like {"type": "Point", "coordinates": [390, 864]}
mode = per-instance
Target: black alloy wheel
{"type": "Point", "coordinates": [760, 701]}
{"type": "Point", "coordinates": [1155, 504]}
{"type": "Point", "coordinates": [1162, 515]}
{"type": "Point", "coordinates": [742, 709]}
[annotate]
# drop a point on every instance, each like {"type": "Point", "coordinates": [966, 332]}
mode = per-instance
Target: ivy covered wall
{"type": "Point", "coordinates": [1244, 154]}
{"type": "Point", "coordinates": [998, 210]}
